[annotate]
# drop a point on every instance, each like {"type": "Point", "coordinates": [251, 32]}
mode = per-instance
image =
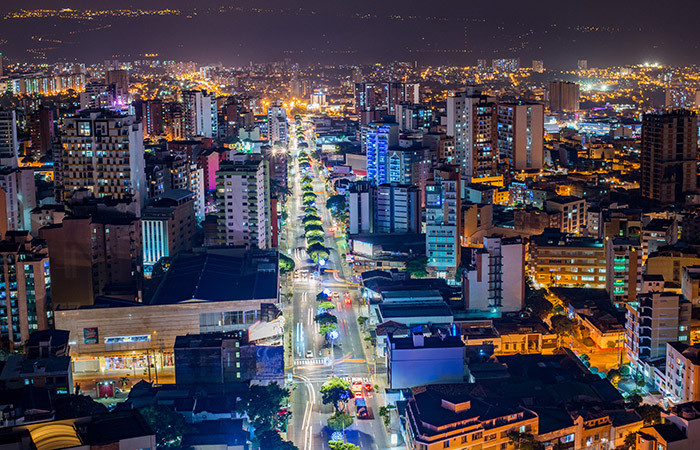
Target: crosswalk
{"type": "Point", "coordinates": [309, 362]}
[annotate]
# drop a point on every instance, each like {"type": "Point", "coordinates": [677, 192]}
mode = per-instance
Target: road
{"type": "Point", "coordinates": [346, 358]}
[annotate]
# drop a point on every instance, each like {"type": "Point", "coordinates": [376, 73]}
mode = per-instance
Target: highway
{"type": "Point", "coordinates": [346, 358]}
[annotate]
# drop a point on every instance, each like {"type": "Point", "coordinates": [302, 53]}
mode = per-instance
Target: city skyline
{"type": "Point", "coordinates": [358, 33]}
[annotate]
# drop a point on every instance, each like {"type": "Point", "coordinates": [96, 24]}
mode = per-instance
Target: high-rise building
{"type": "Point", "coordinates": [653, 320]}
{"type": "Point", "coordinates": [120, 80]}
{"type": "Point", "coordinates": [623, 272]}
{"type": "Point", "coordinates": [521, 135]}
{"type": "Point", "coordinates": [9, 145]}
{"type": "Point", "coordinates": [366, 98]}
{"type": "Point", "coordinates": [41, 129]}
{"type": "Point", "coordinates": [103, 152]}
{"type": "Point", "coordinates": [564, 96]}
{"type": "Point", "coordinates": [92, 256]}
{"type": "Point", "coordinates": [494, 283]}
{"type": "Point", "coordinates": [153, 117]}
{"type": "Point", "coordinates": [199, 106]}
{"type": "Point", "coordinates": [397, 208]}
{"type": "Point", "coordinates": [403, 165]}
{"type": "Point", "coordinates": [168, 226]}
{"type": "Point", "coordinates": [669, 155]}
{"type": "Point", "coordinates": [25, 288]}
{"type": "Point", "coordinates": [443, 221]}
{"type": "Point", "coordinates": [377, 137]}
{"type": "Point", "coordinates": [506, 64]}
{"type": "Point", "coordinates": [277, 124]}
{"type": "Point", "coordinates": [243, 202]}
{"type": "Point", "coordinates": [20, 196]}
{"type": "Point", "coordinates": [174, 120]}
{"type": "Point", "coordinates": [360, 205]}
{"type": "Point", "coordinates": [98, 95]}
{"type": "Point", "coordinates": [472, 120]}
{"type": "Point", "coordinates": [393, 93]}
{"type": "Point", "coordinates": [537, 65]}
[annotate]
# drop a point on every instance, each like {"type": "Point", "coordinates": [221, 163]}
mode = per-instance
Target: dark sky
{"type": "Point", "coordinates": [331, 31]}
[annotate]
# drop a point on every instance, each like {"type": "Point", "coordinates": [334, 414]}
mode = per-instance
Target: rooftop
{"type": "Point", "coordinates": [211, 276]}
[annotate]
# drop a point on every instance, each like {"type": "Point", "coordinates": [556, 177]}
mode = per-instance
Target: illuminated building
{"type": "Point", "coordinates": [558, 259]}
{"type": "Point", "coordinates": [102, 152]}
{"type": "Point", "coordinates": [653, 320]}
{"type": "Point", "coordinates": [277, 124]}
{"type": "Point", "coordinates": [360, 206]}
{"type": "Point", "coordinates": [199, 109]}
{"type": "Point", "coordinates": [564, 96]}
{"type": "Point", "coordinates": [397, 208]}
{"type": "Point", "coordinates": [377, 138]}
{"type": "Point", "coordinates": [571, 212]}
{"type": "Point", "coordinates": [9, 145]}
{"type": "Point", "coordinates": [472, 121]}
{"type": "Point", "coordinates": [494, 283]}
{"type": "Point", "coordinates": [98, 95]}
{"type": "Point", "coordinates": [243, 202]}
{"type": "Point", "coordinates": [25, 303]}
{"type": "Point", "coordinates": [506, 64]}
{"type": "Point", "coordinates": [669, 154]}
{"type": "Point", "coordinates": [120, 80]}
{"type": "Point", "coordinates": [623, 269]}
{"type": "Point", "coordinates": [582, 64]}
{"type": "Point", "coordinates": [443, 221]}
{"type": "Point", "coordinates": [365, 97]}
{"type": "Point", "coordinates": [168, 225]}
{"type": "Point", "coordinates": [521, 135]}
{"type": "Point", "coordinates": [153, 117]}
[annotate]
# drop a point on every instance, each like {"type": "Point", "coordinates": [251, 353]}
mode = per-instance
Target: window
{"type": "Point", "coordinates": [446, 444]}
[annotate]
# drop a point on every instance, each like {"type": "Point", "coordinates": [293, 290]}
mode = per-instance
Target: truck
{"type": "Point", "coordinates": [361, 408]}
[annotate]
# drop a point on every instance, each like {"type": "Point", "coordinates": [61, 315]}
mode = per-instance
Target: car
{"type": "Point", "coordinates": [336, 295]}
{"type": "Point", "coordinates": [368, 387]}
{"type": "Point", "coordinates": [358, 394]}
{"type": "Point", "coordinates": [309, 354]}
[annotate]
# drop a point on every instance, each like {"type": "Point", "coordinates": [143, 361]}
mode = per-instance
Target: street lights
{"type": "Point", "coordinates": [333, 335]}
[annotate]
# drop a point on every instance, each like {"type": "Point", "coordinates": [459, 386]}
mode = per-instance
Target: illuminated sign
{"type": "Point", "coordinates": [90, 335]}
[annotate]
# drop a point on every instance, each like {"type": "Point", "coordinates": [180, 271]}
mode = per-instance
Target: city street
{"type": "Point", "coordinates": [346, 357]}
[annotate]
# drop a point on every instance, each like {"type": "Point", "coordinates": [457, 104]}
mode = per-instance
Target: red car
{"type": "Point", "coordinates": [368, 387]}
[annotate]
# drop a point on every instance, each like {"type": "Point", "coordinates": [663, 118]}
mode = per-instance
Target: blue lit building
{"type": "Point", "coordinates": [377, 137]}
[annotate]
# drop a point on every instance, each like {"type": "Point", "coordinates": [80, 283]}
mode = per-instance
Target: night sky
{"type": "Point", "coordinates": [430, 32]}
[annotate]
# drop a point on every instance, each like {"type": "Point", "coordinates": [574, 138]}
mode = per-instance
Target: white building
{"type": "Point", "coordinates": [397, 209]}
{"type": "Point", "coordinates": [277, 124]}
{"type": "Point", "coordinates": [9, 145]}
{"type": "Point", "coordinates": [495, 282]}
{"type": "Point", "coordinates": [200, 109]}
{"type": "Point", "coordinates": [360, 208]}
{"type": "Point", "coordinates": [521, 135]}
{"type": "Point", "coordinates": [103, 152]}
{"type": "Point", "coordinates": [243, 202]}
{"type": "Point", "coordinates": [443, 222]}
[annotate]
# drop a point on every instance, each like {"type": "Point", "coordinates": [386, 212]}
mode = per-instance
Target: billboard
{"type": "Point", "coordinates": [269, 365]}
{"type": "Point", "coordinates": [90, 335]}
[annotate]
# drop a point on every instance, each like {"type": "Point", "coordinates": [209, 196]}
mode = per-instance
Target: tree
{"type": "Point", "coordinates": [311, 218]}
{"type": "Point", "coordinates": [317, 252]}
{"type": "Point", "coordinates": [524, 441]}
{"type": "Point", "coordinates": [322, 297]}
{"type": "Point", "coordinates": [309, 195]}
{"type": "Point", "coordinates": [384, 414]}
{"type": "Point", "coordinates": [362, 320]}
{"type": "Point", "coordinates": [168, 425]}
{"type": "Point", "coordinates": [336, 392]}
{"type": "Point", "coordinates": [340, 445]}
{"type": "Point", "coordinates": [306, 179]}
{"type": "Point", "coordinates": [634, 401]}
{"type": "Point", "coordinates": [326, 305]}
{"type": "Point", "coordinates": [315, 233]}
{"type": "Point", "coordinates": [650, 413]}
{"type": "Point", "coordinates": [336, 203]}
{"type": "Point", "coordinates": [70, 406]}
{"type": "Point", "coordinates": [339, 421]}
{"type": "Point", "coordinates": [271, 440]}
{"type": "Point", "coordinates": [286, 264]}
{"type": "Point", "coordinates": [307, 201]}
{"type": "Point", "coordinates": [326, 328]}
{"type": "Point", "coordinates": [263, 403]}
{"type": "Point", "coordinates": [326, 318]}
{"type": "Point", "coordinates": [539, 306]}
{"type": "Point", "coordinates": [416, 266]}
{"type": "Point", "coordinates": [313, 227]}
{"type": "Point", "coordinates": [630, 442]}
{"type": "Point", "coordinates": [562, 325]}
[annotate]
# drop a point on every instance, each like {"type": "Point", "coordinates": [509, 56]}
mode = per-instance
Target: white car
{"type": "Point", "coordinates": [309, 354]}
